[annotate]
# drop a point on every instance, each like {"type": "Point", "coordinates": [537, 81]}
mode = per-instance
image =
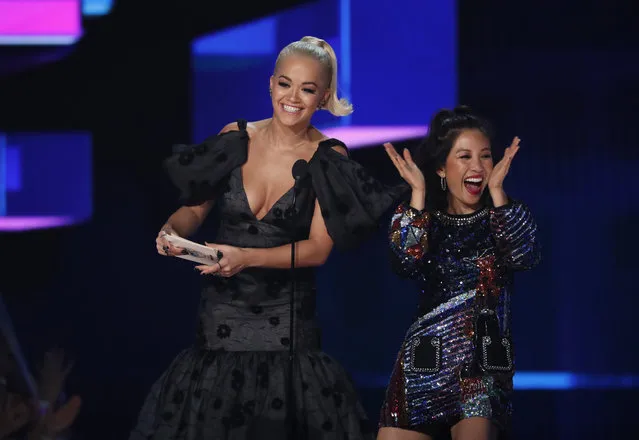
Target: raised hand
{"type": "Point", "coordinates": [496, 179]}
{"type": "Point", "coordinates": [499, 173]}
{"type": "Point", "coordinates": [408, 169]}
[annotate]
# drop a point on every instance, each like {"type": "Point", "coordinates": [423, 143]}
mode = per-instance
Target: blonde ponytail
{"type": "Point", "coordinates": [323, 52]}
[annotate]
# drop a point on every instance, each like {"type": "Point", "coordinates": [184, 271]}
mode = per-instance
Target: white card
{"type": "Point", "coordinates": [194, 251]}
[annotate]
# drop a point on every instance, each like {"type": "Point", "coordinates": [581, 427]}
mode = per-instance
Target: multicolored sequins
{"type": "Point", "coordinates": [461, 262]}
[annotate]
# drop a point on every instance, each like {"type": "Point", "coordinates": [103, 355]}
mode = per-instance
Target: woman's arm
{"type": "Point", "coordinates": [408, 232]}
{"type": "Point", "coordinates": [408, 239]}
{"type": "Point", "coordinates": [308, 253]}
{"type": "Point", "coordinates": [311, 252]}
{"type": "Point", "coordinates": [183, 222]}
{"type": "Point", "coordinates": [515, 232]}
{"type": "Point", "coordinates": [186, 220]}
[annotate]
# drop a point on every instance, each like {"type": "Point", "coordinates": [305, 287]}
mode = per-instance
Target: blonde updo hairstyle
{"type": "Point", "coordinates": [321, 51]}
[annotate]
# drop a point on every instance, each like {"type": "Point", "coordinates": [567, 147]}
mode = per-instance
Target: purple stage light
{"type": "Point", "coordinates": [364, 136]}
{"type": "Point", "coordinates": [17, 224]}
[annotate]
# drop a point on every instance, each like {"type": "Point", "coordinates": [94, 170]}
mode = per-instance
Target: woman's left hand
{"type": "Point", "coordinates": [496, 179]}
{"type": "Point", "coordinates": [233, 261]}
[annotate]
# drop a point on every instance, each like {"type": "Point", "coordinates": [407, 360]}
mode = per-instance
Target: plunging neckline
{"type": "Point", "coordinates": [281, 198]}
{"type": "Point", "coordinates": [248, 205]}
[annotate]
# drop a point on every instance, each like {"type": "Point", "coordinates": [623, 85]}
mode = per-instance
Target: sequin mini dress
{"type": "Point", "coordinates": [458, 260]}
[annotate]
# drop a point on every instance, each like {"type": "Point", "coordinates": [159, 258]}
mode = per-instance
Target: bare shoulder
{"type": "Point", "coordinates": [250, 126]}
{"type": "Point", "coordinates": [340, 149]}
{"type": "Point", "coordinates": [255, 128]}
{"type": "Point", "coordinates": [335, 145]}
{"type": "Point", "coordinates": [229, 127]}
{"type": "Point", "coordinates": [317, 137]}
{"type": "Point", "coordinates": [258, 125]}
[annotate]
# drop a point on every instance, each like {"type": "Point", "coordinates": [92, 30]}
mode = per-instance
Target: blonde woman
{"type": "Point", "coordinates": [233, 383]}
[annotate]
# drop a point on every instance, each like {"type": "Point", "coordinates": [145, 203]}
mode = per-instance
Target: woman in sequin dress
{"type": "Point", "coordinates": [462, 239]}
{"type": "Point", "coordinates": [233, 383]}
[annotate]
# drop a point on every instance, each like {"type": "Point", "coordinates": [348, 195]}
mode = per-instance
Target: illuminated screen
{"type": "Point", "coordinates": [45, 180]}
{"type": "Point", "coordinates": [396, 67]}
{"type": "Point", "coordinates": [92, 8]}
{"type": "Point", "coordinates": [46, 22]}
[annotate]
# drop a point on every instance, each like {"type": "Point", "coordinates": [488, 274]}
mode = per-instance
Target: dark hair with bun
{"type": "Point", "coordinates": [444, 129]}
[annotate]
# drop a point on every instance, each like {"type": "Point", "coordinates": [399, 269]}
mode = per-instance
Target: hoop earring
{"type": "Point", "coordinates": [443, 183]}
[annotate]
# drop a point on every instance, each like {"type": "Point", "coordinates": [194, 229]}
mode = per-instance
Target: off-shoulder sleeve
{"type": "Point", "coordinates": [198, 170]}
{"type": "Point", "coordinates": [515, 232]}
{"type": "Point", "coordinates": [408, 239]}
{"type": "Point", "coordinates": [351, 200]}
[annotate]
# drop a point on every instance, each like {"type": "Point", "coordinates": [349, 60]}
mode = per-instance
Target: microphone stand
{"type": "Point", "coordinates": [300, 169]}
{"type": "Point", "coordinates": [292, 417]}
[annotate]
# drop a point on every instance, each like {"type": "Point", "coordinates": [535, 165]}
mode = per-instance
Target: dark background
{"type": "Point", "coordinates": [562, 75]}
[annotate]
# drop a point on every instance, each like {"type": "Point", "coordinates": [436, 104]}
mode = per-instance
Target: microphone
{"type": "Point", "coordinates": [300, 170]}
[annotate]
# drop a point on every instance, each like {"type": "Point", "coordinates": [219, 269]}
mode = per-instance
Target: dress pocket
{"type": "Point", "coordinates": [426, 354]}
{"type": "Point", "coordinates": [494, 352]}
{"type": "Point", "coordinates": [496, 355]}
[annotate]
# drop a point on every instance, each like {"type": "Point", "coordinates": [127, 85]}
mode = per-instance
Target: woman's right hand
{"type": "Point", "coordinates": [408, 169]}
{"type": "Point", "coordinates": [163, 246]}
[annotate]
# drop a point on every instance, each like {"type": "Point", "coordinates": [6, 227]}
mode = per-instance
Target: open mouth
{"type": "Point", "coordinates": [473, 185]}
{"type": "Point", "coordinates": [291, 109]}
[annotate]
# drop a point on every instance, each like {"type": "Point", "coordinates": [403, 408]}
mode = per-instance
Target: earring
{"type": "Point", "coordinates": [443, 182]}
{"type": "Point", "coordinates": [270, 91]}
